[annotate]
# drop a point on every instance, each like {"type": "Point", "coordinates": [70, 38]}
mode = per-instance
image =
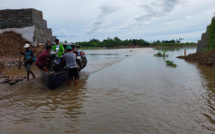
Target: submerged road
{"type": "Point", "coordinates": [119, 92]}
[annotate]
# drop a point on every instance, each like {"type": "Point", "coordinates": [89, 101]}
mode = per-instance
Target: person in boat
{"type": "Point", "coordinates": [28, 60]}
{"type": "Point", "coordinates": [75, 51]}
{"type": "Point", "coordinates": [48, 43]}
{"type": "Point", "coordinates": [71, 65]}
{"type": "Point", "coordinates": [58, 48]}
{"type": "Point", "coordinates": [43, 59]}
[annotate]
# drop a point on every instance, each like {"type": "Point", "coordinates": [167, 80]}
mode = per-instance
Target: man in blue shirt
{"type": "Point", "coordinates": [28, 60]}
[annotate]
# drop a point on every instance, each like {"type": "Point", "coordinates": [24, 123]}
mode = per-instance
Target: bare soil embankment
{"type": "Point", "coordinates": [203, 58]}
{"type": "Point", "coordinates": [11, 44]}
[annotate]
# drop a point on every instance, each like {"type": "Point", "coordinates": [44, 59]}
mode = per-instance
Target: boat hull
{"type": "Point", "coordinates": [54, 80]}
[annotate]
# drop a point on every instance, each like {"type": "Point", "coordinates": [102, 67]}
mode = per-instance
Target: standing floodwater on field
{"type": "Point", "coordinates": [120, 91]}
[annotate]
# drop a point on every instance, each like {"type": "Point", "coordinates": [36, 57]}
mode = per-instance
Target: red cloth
{"type": "Point", "coordinates": [42, 59]}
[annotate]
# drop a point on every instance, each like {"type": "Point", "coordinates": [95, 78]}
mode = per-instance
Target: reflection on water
{"type": "Point", "coordinates": [33, 108]}
{"type": "Point", "coordinates": [119, 92]}
{"type": "Point", "coordinates": [208, 98]}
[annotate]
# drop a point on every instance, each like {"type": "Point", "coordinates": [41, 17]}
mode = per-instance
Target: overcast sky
{"type": "Point", "coordinates": [151, 20]}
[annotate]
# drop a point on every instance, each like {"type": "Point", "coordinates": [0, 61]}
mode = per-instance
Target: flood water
{"type": "Point", "coordinates": [120, 92]}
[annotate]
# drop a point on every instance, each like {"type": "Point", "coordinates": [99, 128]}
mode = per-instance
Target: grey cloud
{"type": "Point", "coordinates": [152, 10]}
{"type": "Point", "coordinates": [104, 11]}
{"type": "Point", "coordinates": [157, 9]}
{"type": "Point", "coordinates": [98, 23]}
{"type": "Point", "coordinates": [169, 5]}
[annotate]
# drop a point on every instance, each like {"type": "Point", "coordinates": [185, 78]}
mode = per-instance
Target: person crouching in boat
{"type": "Point", "coordinates": [43, 59]}
{"type": "Point", "coordinates": [28, 60]}
{"type": "Point", "coordinates": [71, 65]}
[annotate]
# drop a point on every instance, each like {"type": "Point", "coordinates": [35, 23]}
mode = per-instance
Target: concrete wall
{"type": "Point", "coordinates": [18, 19]}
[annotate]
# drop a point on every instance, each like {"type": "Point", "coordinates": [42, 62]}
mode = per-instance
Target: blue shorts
{"type": "Point", "coordinates": [28, 67]}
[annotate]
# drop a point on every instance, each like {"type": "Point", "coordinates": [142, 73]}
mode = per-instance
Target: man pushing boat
{"type": "Point", "coordinates": [71, 65]}
{"type": "Point", "coordinates": [56, 70]}
{"type": "Point", "coordinates": [43, 59]}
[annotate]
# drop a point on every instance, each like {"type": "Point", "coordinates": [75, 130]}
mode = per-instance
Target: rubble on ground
{"type": "Point", "coordinates": [11, 79]}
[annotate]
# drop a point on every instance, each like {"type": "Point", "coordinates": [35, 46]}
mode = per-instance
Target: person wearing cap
{"type": "Point", "coordinates": [58, 48]}
{"type": "Point", "coordinates": [28, 56]}
{"type": "Point", "coordinates": [71, 65]}
{"type": "Point", "coordinates": [43, 59]}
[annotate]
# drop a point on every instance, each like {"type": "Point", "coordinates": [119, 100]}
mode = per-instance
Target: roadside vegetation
{"type": "Point", "coordinates": [160, 54]}
{"type": "Point", "coordinates": [168, 63]}
{"type": "Point", "coordinates": [211, 40]}
{"type": "Point", "coordinates": [171, 63]}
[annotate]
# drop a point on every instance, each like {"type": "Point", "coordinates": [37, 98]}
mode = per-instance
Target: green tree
{"type": "Point", "coordinates": [94, 40]}
{"type": "Point", "coordinates": [116, 39]}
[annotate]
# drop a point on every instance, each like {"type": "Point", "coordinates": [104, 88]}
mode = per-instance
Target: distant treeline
{"type": "Point", "coordinates": [116, 42]}
{"type": "Point", "coordinates": [173, 43]}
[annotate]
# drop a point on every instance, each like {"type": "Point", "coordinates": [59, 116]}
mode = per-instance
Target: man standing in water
{"type": "Point", "coordinates": [71, 65]}
{"type": "Point", "coordinates": [28, 60]}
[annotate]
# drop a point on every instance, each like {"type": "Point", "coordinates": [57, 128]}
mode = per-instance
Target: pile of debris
{"type": "Point", "coordinates": [8, 63]}
{"type": "Point", "coordinates": [11, 80]}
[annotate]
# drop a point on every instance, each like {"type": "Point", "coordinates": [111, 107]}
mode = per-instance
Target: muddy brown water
{"type": "Point", "coordinates": [120, 92]}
